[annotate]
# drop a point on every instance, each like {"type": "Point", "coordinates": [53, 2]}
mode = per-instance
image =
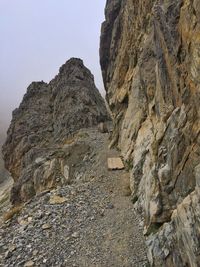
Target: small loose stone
{"type": "Point", "coordinates": [46, 226]}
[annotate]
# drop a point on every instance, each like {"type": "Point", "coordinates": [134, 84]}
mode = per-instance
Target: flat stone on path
{"type": "Point", "coordinates": [115, 164]}
{"type": "Point", "coordinates": [57, 200]}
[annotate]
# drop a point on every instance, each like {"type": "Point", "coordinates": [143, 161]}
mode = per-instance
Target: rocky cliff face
{"type": "Point", "coordinates": [150, 59]}
{"type": "Point", "coordinates": [3, 172]}
{"type": "Point", "coordinates": [38, 148]}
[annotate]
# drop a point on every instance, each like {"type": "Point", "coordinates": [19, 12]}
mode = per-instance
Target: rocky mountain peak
{"type": "Point", "coordinates": [48, 115]}
{"type": "Point", "coordinates": [75, 71]}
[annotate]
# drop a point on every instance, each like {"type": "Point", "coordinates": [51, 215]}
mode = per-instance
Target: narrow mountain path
{"type": "Point", "coordinates": [89, 223]}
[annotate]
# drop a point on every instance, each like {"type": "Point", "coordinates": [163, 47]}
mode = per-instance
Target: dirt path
{"type": "Point", "coordinates": [95, 226]}
{"type": "Point", "coordinates": [122, 243]}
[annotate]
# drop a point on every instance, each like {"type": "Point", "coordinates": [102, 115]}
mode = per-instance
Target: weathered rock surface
{"type": "Point", "coordinates": [3, 173]}
{"type": "Point", "coordinates": [38, 149]}
{"type": "Point", "coordinates": [5, 180]}
{"type": "Point", "coordinates": [150, 59]}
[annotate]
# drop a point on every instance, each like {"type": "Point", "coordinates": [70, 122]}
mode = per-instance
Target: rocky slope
{"type": "Point", "coordinates": [38, 149]}
{"type": "Point", "coordinates": [150, 59]}
{"type": "Point", "coordinates": [90, 222]}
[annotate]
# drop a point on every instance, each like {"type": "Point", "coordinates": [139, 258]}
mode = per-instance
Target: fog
{"type": "Point", "coordinates": [37, 37]}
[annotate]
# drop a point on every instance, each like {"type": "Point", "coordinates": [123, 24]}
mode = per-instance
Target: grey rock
{"type": "Point", "coordinates": [45, 127]}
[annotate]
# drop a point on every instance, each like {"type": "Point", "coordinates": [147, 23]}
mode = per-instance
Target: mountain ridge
{"type": "Point", "coordinates": [47, 116]}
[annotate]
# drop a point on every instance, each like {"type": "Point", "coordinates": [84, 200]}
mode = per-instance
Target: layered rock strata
{"type": "Point", "coordinates": [150, 59]}
{"type": "Point", "coordinates": [39, 143]}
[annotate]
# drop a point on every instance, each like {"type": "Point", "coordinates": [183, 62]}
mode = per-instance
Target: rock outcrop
{"type": "Point", "coordinates": [3, 173]}
{"type": "Point", "coordinates": [150, 59]}
{"type": "Point", "coordinates": [38, 148]}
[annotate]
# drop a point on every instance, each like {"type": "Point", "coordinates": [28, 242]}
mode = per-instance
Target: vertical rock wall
{"type": "Point", "coordinates": [150, 59]}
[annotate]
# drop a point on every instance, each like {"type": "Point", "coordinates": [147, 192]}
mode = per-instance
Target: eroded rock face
{"type": "Point", "coordinates": [4, 175]}
{"type": "Point", "coordinates": [38, 148]}
{"type": "Point", "coordinates": [151, 67]}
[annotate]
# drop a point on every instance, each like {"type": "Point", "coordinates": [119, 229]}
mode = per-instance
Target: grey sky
{"type": "Point", "coordinates": [38, 36]}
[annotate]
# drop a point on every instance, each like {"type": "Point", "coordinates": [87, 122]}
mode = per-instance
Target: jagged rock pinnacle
{"type": "Point", "coordinates": [48, 115]}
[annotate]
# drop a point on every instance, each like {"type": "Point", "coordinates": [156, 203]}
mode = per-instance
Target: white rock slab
{"type": "Point", "coordinates": [115, 164]}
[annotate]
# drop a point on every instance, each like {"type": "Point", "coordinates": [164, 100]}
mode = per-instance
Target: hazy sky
{"type": "Point", "coordinates": [38, 36]}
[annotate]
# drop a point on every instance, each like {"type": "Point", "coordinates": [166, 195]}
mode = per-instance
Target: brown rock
{"type": "Point", "coordinates": [57, 200]}
{"type": "Point", "coordinates": [151, 67]}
